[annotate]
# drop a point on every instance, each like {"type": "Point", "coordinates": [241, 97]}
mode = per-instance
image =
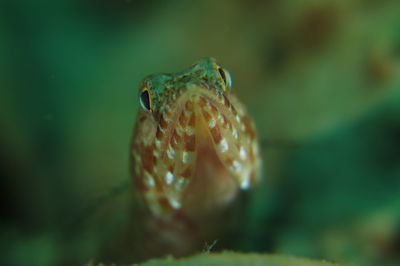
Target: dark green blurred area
{"type": "Point", "coordinates": [320, 78]}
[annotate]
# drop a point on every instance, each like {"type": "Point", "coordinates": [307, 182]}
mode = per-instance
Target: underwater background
{"type": "Point", "coordinates": [320, 78]}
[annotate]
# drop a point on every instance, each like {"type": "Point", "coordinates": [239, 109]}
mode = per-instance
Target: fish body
{"type": "Point", "coordinates": [194, 148]}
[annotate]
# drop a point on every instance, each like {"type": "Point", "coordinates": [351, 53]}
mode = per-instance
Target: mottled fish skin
{"type": "Point", "coordinates": [194, 146]}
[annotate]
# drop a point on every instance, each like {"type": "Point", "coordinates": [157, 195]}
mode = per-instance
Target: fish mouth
{"type": "Point", "coordinates": [203, 154]}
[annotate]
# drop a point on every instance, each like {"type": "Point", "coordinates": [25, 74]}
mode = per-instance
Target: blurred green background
{"type": "Point", "coordinates": [320, 78]}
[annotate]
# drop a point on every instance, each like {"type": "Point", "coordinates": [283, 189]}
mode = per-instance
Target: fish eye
{"type": "Point", "coordinates": [226, 77]}
{"type": "Point", "coordinates": [145, 100]}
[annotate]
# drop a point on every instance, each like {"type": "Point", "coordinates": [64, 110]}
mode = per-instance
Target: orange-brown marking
{"type": "Point", "coordinates": [148, 159]}
{"type": "Point", "coordinates": [190, 142]}
{"type": "Point", "coordinates": [187, 173]}
{"type": "Point", "coordinates": [159, 133]}
{"type": "Point", "coordinates": [251, 155]}
{"type": "Point", "coordinates": [207, 116]}
{"type": "Point", "coordinates": [216, 134]}
{"type": "Point", "coordinates": [140, 184]}
{"type": "Point", "coordinates": [164, 202]}
{"type": "Point", "coordinates": [142, 119]}
{"type": "Point", "coordinates": [163, 123]}
{"type": "Point", "coordinates": [189, 106]}
{"type": "Point", "coordinates": [226, 123]}
{"type": "Point", "coordinates": [226, 102]}
{"type": "Point", "coordinates": [192, 120]}
{"type": "Point", "coordinates": [159, 186]}
{"type": "Point", "coordinates": [214, 110]}
{"type": "Point", "coordinates": [229, 160]}
{"type": "Point", "coordinates": [233, 110]}
{"type": "Point", "coordinates": [171, 169]}
{"type": "Point", "coordinates": [202, 102]}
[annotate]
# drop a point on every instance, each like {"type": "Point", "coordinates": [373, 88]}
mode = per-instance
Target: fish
{"type": "Point", "coordinates": [194, 149]}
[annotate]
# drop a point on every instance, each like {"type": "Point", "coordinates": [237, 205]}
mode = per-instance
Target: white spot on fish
{"type": "Point", "coordinates": [242, 153]}
{"type": "Point", "coordinates": [189, 131]}
{"type": "Point", "coordinates": [245, 183]}
{"type": "Point", "coordinates": [158, 143]}
{"type": "Point", "coordinates": [212, 123]}
{"type": "Point", "coordinates": [238, 119]}
{"type": "Point", "coordinates": [235, 133]}
{"type": "Point", "coordinates": [221, 118]}
{"type": "Point", "coordinates": [169, 177]}
{"type": "Point", "coordinates": [223, 145]}
{"type": "Point", "coordinates": [170, 152]}
{"type": "Point", "coordinates": [161, 129]}
{"type": "Point", "coordinates": [185, 157]}
{"type": "Point", "coordinates": [237, 166]}
{"type": "Point", "coordinates": [175, 204]}
{"type": "Point", "coordinates": [180, 182]}
{"type": "Point", "coordinates": [148, 180]}
{"type": "Point", "coordinates": [221, 99]}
